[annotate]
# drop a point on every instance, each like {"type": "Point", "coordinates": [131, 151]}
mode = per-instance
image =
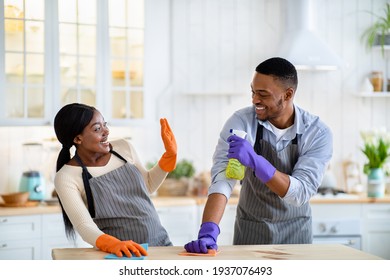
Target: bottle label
{"type": "Point", "coordinates": [235, 170]}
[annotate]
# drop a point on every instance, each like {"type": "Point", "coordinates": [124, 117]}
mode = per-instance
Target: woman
{"type": "Point", "coordinates": [104, 189]}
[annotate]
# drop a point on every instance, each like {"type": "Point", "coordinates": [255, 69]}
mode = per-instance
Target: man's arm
{"type": "Point", "coordinates": [214, 208]}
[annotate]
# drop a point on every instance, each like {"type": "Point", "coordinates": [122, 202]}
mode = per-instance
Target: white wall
{"type": "Point", "coordinates": [199, 52]}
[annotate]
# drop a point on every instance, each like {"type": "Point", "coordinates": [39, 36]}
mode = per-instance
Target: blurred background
{"type": "Point", "coordinates": [190, 61]}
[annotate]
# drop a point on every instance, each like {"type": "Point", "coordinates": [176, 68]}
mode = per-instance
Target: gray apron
{"type": "Point", "coordinates": [119, 204]}
{"type": "Point", "coordinates": [264, 218]}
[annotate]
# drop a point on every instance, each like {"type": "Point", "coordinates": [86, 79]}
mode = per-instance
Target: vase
{"type": "Point", "coordinates": [376, 183]}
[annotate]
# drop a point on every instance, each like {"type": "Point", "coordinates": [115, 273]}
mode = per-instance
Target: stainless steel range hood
{"type": "Point", "coordinates": [301, 45]}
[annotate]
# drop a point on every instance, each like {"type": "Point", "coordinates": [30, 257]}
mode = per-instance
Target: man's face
{"type": "Point", "coordinates": [269, 97]}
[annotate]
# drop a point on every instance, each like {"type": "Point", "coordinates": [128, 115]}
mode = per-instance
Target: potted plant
{"type": "Point", "coordinates": [377, 150]}
{"type": "Point", "coordinates": [379, 32]}
{"type": "Point", "coordinates": [178, 180]}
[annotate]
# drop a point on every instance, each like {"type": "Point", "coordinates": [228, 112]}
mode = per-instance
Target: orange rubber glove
{"type": "Point", "coordinates": [168, 159]}
{"type": "Point", "coordinates": [110, 244]}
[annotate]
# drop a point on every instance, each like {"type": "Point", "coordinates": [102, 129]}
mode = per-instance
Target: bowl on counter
{"type": "Point", "coordinates": [15, 199]}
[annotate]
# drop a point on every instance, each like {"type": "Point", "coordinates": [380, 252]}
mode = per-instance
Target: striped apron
{"type": "Point", "coordinates": [264, 218]}
{"type": "Point", "coordinates": [119, 204]}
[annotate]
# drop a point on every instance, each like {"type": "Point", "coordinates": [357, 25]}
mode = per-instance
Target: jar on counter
{"type": "Point", "coordinates": [377, 80]}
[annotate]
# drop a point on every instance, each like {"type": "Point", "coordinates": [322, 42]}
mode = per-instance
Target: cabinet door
{"type": "Point", "coordinates": [20, 237]}
{"type": "Point", "coordinates": [180, 223]}
{"type": "Point", "coordinates": [20, 227]}
{"type": "Point", "coordinates": [376, 229]}
{"type": "Point", "coordinates": [23, 249]}
{"type": "Point", "coordinates": [53, 236]}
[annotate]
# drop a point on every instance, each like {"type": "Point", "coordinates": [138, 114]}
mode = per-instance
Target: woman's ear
{"type": "Point", "coordinates": [77, 139]}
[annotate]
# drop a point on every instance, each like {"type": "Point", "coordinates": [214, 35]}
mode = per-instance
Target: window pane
{"type": "Point", "coordinates": [88, 97]}
{"type": "Point", "coordinates": [136, 38]}
{"type": "Point", "coordinates": [67, 11]}
{"type": "Point", "coordinates": [119, 104]}
{"type": "Point", "coordinates": [14, 64]}
{"type": "Point", "coordinates": [117, 13]}
{"type": "Point", "coordinates": [13, 9]}
{"type": "Point", "coordinates": [87, 11]}
{"type": "Point", "coordinates": [87, 71]}
{"type": "Point", "coordinates": [137, 73]}
{"type": "Point", "coordinates": [35, 68]}
{"type": "Point", "coordinates": [34, 36]}
{"type": "Point", "coordinates": [87, 40]}
{"type": "Point", "coordinates": [118, 70]}
{"type": "Point", "coordinates": [15, 102]}
{"type": "Point", "coordinates": [135, 13]}
{"type": "Point", "coordinates": [35, 101]}
{"type": "Point", "coordinates": [68, 69]}
{"type": "Point", "coordinates": [13, 37]}
{"type": "Point", "coordinates": [35, 9]}
{"type": "Point", "coordinates": [117, 42]}
{"type": "Point", "coordinates": [68, 95]}
{"type": "Point", "coordinates": [68, 39]}
{"type": "Point", "coordinates": [137, 104]}
{"type": "Point", "coordinates": [136, 108]}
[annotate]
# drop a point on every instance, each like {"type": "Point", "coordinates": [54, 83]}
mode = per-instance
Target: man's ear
{"type": "Point", "coordinates": [77, 139]}
{"type": "Point", "coordinates": [289, 94]}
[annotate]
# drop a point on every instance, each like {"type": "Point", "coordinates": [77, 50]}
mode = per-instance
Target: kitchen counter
{"type": "Point", "coordinates": [186, 200]}
{"type": "Point", "coordinates": [241, 252]}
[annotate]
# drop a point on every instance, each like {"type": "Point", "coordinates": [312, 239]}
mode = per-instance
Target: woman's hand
{"type": "Point", "coordinates": [168, 159]}
{"type": "Point", "coordinates": [110, 244]}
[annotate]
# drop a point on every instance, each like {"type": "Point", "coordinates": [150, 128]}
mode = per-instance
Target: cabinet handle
{"type": "Point", "coordinates": [4, 220]}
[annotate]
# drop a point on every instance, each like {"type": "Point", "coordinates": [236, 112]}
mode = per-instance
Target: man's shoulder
{"type": "Point", "coordinates": [309, 120]}
{"type": "Point", "coordinates": [245, 112]}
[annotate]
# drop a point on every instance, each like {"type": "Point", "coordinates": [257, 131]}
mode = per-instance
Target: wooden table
{"type": "Point", "coordinates": [242, 252]}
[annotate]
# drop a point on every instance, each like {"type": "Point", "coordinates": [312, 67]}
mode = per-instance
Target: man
{"type": "Point", "coordinates": [285, 152]}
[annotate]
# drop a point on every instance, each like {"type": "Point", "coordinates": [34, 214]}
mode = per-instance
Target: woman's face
{"type": "Point", "coordinates": [93, 139]}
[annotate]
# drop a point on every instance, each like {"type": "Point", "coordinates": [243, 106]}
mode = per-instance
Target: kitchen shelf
{"type": "Point", "coordinates": [374, 94]}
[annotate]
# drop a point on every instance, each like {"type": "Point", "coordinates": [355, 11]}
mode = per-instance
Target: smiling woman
{"type": "Point", "coordinates": [102, 186]}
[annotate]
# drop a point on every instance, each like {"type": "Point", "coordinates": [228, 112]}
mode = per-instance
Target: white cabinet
{"type": "Point", "coordinates": [181, 223]}
{"type": "Point", "coordinates": [374, 221]}
{"type": "Point", "coordinates": [53, 236]}
{"type": "Point", "coordinates": [376, 229]}
{"type": "Point", "coordinates": [32, 237]}
{"type": "Point", "coordinates": [20, 237]}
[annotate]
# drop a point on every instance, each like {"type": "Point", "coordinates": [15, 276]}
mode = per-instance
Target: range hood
{"type": "Point", "coordinates": [301, 45]}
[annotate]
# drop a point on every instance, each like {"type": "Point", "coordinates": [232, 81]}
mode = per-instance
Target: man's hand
{"type": "Point", "coordinates": [207, 239]}
{"type": "Point", "coordinates": [243, 151]}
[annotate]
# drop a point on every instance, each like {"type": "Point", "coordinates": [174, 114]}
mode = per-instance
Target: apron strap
{"type": "Point", "coordinates": [86, 176]}
{"type": "Point", "coordinates": [259, 136]}
{"type": "Point", "coordinates": [118, 155]}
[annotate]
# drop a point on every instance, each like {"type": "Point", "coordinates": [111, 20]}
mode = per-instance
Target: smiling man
{"type": "Point", "coordinates": [286, 152]}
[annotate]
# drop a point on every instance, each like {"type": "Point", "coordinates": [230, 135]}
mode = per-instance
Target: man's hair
{"type": "Point", "coordinates": [281, 69]}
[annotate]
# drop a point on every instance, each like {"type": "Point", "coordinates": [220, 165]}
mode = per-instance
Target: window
{"type": "Point", "coordinates": [24, 59]}
{"type": "Point", "coordinates": [77, 50]}
{"type": "Point", "coordinates": [126, 33]}
{"type": "Point", "coordinates": [64, 51]}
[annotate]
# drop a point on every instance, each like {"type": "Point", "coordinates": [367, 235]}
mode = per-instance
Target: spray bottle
{"type": "Point", "coordinates": [234, 169]}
